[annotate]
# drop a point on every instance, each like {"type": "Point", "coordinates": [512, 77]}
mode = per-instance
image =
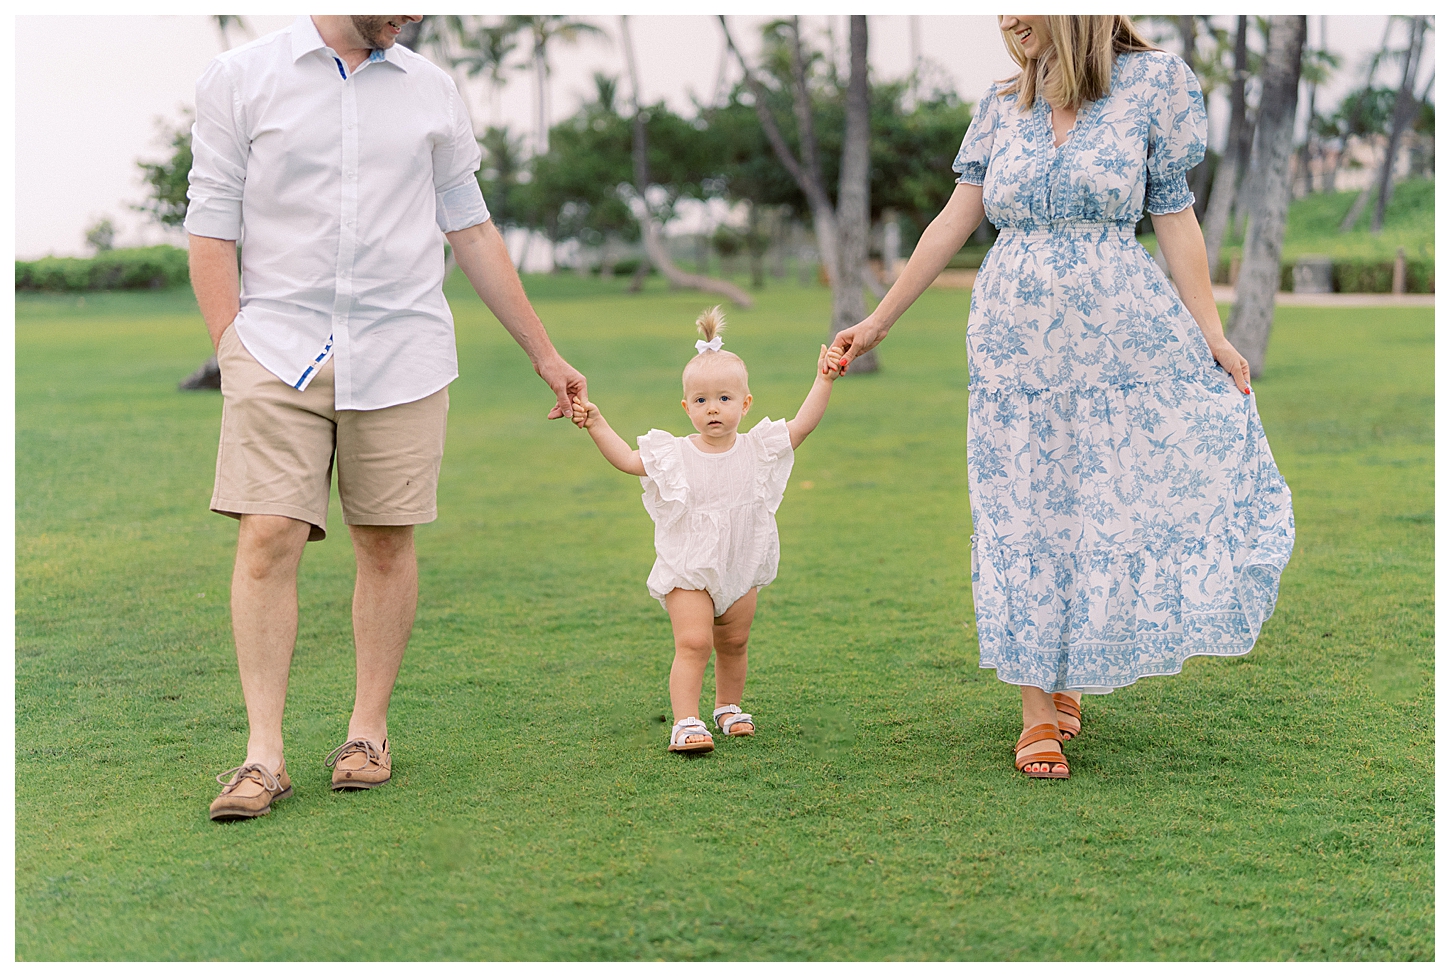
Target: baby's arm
{"type": "Point", "coordinates": [615, 449]}
{"type": "Point", "coordinates": [828, 367]}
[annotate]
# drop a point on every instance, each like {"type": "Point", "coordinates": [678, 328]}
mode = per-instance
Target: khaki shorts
{"type": "Point", "coordinates": [278, 445]}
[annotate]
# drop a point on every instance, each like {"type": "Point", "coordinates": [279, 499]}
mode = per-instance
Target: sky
{"type": "Point", "coordinates": [82, 120]}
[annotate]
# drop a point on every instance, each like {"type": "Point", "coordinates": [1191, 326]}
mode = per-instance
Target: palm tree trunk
{"type": "Point", "coordinates": [541, 83]}
{"type": "Point", "coordinates": [1356, 209]}
{"type": "Point", "coordinates": [649, 225]}
{"type": "Point", "coordinates": [1253, 312]}
{"type": "Point", "coordinates": [1306, 154]}
{"type": "Point", "coordinates": [1225, 180]}
{"type": "Point", "coordinates": [1405, 106]}
{"type": "Point", "coordinates": [853, 198]}
{"type": "Point", "coordinates": [823, 214]}
{"type": "Point", "coordinates": [805, 172]}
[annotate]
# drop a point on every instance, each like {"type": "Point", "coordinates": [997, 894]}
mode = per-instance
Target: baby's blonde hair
{"type": "Point", "coordinates": [711, 323]}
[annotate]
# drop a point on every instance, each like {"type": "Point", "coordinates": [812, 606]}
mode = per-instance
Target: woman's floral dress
{"type": "Point", "coordinates": [1127, 512]}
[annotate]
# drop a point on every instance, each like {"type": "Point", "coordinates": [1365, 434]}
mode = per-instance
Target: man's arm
{"type": "Point", "coordinates": [213, 264]}
{"type": "Point", "coordinates": [481, 254]}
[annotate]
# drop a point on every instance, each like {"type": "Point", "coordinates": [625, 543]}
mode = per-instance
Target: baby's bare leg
{"type": "Point", "coordinates": [692, 615]}
{"type": "Point", "coordinates": [732, 636]}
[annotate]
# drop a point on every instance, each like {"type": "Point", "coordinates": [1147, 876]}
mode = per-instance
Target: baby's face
{"type": "Point", "coordinates": [716, 400]}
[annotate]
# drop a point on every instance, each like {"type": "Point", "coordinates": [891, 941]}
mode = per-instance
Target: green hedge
{"type": "Point", "coordinates": [1376, 276]}
{"type": "Point", "coordinates": [1359, 275]}
{"type": "Point", "coordinates": [162, 266]}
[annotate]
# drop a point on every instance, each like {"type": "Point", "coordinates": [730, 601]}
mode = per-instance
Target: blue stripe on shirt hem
{"type": "Point", "coordinates": [315, 363]}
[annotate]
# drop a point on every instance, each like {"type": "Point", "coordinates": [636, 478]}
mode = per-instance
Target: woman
{"type": "Point", "coordinates": [1127, 512]}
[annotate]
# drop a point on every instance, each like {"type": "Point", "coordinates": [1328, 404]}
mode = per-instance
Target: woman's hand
{"type": "Point", "coordinates": [1233, 361]}
{"type": "Point", "coordinates": [1182, 242]}
{"type": "Point", "coordinates": [857, 340]}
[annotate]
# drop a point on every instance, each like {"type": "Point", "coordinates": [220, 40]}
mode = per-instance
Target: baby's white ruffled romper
{"type": "Point", "coordinates": [714, 514]}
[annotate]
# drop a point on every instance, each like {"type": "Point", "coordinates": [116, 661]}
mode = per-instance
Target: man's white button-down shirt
{"type": "Point", "coordinates": [338, 186]}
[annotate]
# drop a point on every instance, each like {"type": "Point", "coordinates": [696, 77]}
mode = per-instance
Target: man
{"type": "Point", "coordinates": [340, 162]}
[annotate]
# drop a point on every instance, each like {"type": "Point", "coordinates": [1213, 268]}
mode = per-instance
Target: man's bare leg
{"type": "Point", "coordinates": [264, 625]}
{"type": "Point", "coordinates": [383, 604]}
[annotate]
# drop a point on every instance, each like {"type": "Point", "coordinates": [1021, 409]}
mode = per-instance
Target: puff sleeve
{"type": "Point", "coordinates": [666, 491]}
{"type": "Point", "coordinates": [774, 460]}
{"type": "Point", "coordinates": [1176, 131]}
{"type": "Point", "coordinates": [976, 152]}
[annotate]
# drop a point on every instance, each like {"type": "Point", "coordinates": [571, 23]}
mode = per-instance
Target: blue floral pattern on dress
{"type": "Point", "coordinates": [1127, 510]}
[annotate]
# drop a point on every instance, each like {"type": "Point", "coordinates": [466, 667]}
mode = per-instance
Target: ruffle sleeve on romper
{"type": "Point", "coordinates": [775, 459]}
{"type": "Point", "coordinates": [666, 491]}
{"type": "Point", "coordinates": [667, 500]}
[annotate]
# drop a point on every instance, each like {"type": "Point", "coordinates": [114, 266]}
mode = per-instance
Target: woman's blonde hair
{"type": "Point", "coordinates": [710, 324]}
{"type": "Point", "coordinates": [1077, 65]}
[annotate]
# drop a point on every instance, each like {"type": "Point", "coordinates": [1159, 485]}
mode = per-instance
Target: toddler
{"type": "Point", "coordinates": [713, 497]}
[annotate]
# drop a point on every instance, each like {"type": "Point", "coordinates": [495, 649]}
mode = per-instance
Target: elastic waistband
{"type": "Point", "coordinates": [1122, 229]}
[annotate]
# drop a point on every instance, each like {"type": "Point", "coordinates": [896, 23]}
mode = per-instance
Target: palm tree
{"type": "Point", "coordinates": [224, 25]}
{"type": "Point", "coordinates": [806, 171]}
{"type": "Point", "coordinates": [842, 248]}
{"type": "Point", "coordinates": [853, 196]}
{"type": "Point", "coordinates": [541, 32]}
{"type": "Point", "coordinates": [649, 224]}
{"type": "Point", "coordinates": [1406, 106]}
{"type": "Point", "coordinates": [1253, 311]}
{"type": "Point", "coordinates": [1319, 65]}
{"type": "Point", "coordinates": [1231, 166]}
{"type": "Point", "coordinates": [1372, 67]}
{"type": "Point", "coordinates": [486, 52]}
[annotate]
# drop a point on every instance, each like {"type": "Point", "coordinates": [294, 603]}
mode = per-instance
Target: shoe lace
{"type": "Point", "coordinates": [231, 779]}
{"type": "Point", "coordinates": [355, 746]}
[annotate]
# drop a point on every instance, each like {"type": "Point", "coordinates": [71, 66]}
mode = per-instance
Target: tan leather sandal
{"type": "Point", "coordinates": [1070, 710]}
{"type": "Point", "coordinates": [1055, 762]}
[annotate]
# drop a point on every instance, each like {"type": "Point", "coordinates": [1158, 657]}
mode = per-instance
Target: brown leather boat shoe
{"type": "Point", "coordinates": [250, 791]}
{"type": "Point", "coordinates": [360, 764]}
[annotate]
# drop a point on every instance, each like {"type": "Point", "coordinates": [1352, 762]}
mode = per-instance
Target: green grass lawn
{"type": "Point", "coordinates": [1275, 806]}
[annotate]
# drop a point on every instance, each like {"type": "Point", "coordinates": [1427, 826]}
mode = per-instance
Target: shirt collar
{"type": "Point", "coordinates": [306, 39]}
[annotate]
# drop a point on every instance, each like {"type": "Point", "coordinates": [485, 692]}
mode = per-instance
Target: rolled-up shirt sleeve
{"type": "Point", "coordinates": [455, 168]}
{"type": "Point", "coordinates": [218, 159]}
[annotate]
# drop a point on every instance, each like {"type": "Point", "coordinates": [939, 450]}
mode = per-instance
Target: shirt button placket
{"type": "Point", "coordinates": [346, 245]}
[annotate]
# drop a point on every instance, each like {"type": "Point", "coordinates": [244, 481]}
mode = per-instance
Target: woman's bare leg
{"type": "Point", "coordinates": [1037, 708]}
{"type": "Point", "coordinates": [1066, 723]}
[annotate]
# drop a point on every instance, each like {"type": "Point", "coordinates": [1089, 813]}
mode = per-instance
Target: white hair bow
{"type": "Point", "coordinates": [713, 345]}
